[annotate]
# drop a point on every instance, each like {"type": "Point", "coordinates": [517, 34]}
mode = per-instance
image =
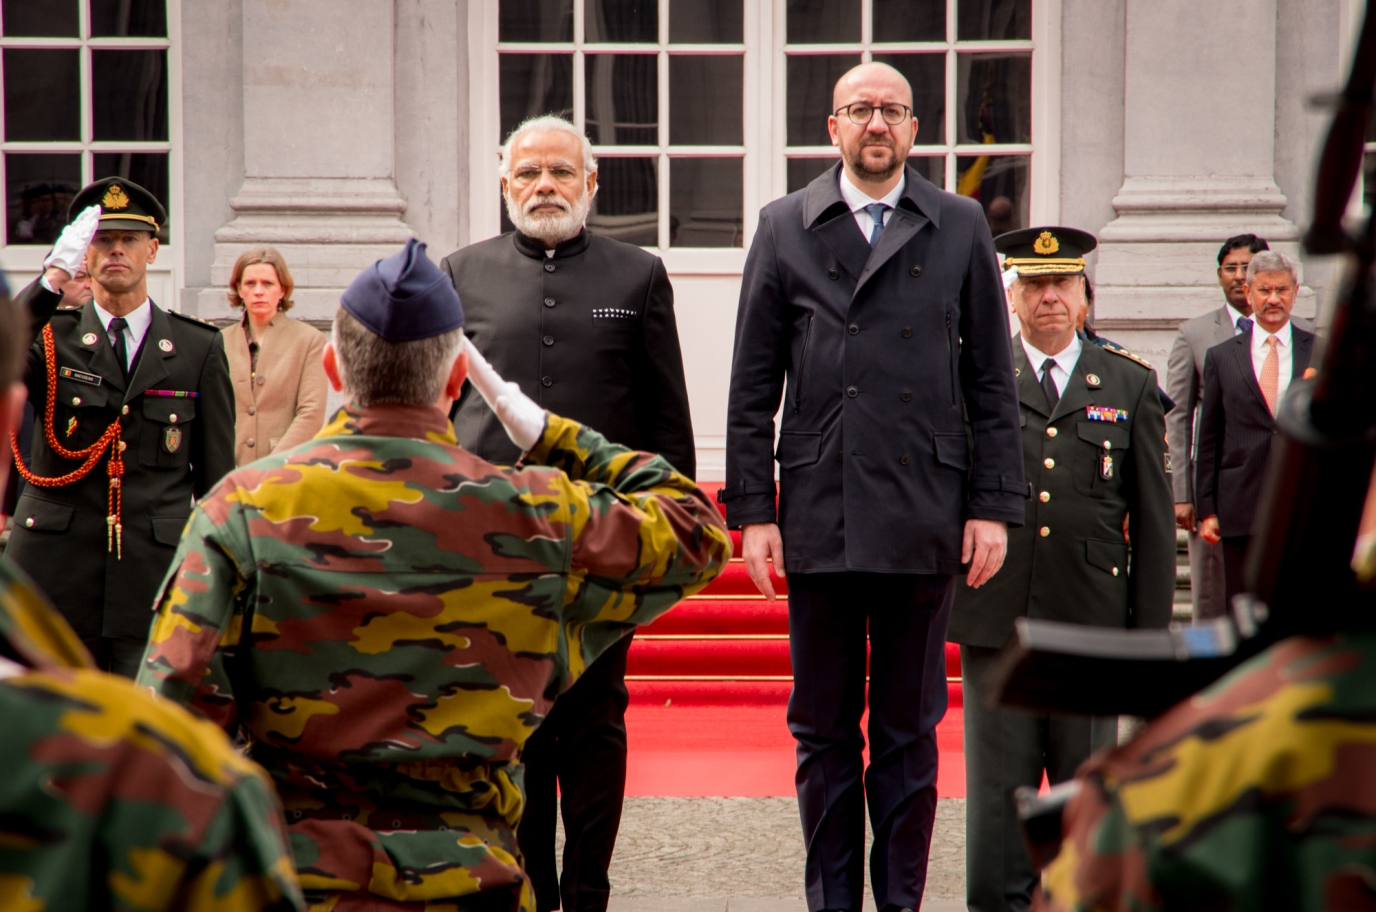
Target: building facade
{"type": "Point", "coordinates": [335, 129]}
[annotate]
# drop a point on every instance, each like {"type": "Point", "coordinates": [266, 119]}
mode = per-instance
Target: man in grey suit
{"type": "Point", "coordinates": [1185, 371]}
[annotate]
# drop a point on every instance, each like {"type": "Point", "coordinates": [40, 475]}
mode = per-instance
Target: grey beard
{"type": "Point", "coordinates": [550, 230]}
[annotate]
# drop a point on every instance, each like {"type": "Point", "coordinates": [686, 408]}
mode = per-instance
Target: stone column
{"type": "Point", "coordinates": [1199, 164]}
{"type": "Point", "coordinates": [319, 141]}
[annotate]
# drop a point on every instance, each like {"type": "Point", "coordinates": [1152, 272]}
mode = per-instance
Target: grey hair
{"type": "Point", "coordinates": [376, 371]}
{"type": "Point", "coordinates": [547, 123]}
{"type": "Point", "coordinates": [1272, 261]}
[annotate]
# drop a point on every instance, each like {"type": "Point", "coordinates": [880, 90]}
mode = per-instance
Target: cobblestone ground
{"type": "Point", "coordinates": [745, 847]}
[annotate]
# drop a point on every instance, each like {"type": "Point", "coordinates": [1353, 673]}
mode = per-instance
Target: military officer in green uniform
{"type": "Point", "coordinates": [1094, 452]}
{"type": "Point", "coordinates": [133, 416]}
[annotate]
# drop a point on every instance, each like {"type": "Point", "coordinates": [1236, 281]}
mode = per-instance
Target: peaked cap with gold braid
{"type": "Point", "coordinates": [1045, 251]}
{"type": "Point", "coordinates": [123, 204]}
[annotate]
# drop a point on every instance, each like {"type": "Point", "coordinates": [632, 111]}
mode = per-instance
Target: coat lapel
{"type": "Point", "coordinates": [842, 235]}
{"type": "Point", "coordinates": [1077, 393]}
{"type": "Point", "coordinates": [1241, 352]}
{"type": "Point", "coordinates": [101, 358]}
{"type": "Point", "coordinates": [1303, 344]}
{"type": "Point", "coordinates": [1029, 390]}
{"type": "Point", "coordinates": [903, 224]}
{"type": "Point", "coordinates": [151, 367]}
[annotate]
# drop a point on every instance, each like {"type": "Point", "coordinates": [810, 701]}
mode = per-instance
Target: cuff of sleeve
{"type": "Point", "coordinates": [755, 508]}
{"type": "Point", "coordinates": [559, 434]}
{"type": "Point", "coordinates": [999, 505]}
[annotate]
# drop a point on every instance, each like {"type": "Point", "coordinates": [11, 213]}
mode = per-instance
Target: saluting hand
{"type": "Point", "coordinates": [523, 419]}
{"type": "Point", "coordinates": [70, 249]}
{"type": "Point", "coordinates": [984, 547]}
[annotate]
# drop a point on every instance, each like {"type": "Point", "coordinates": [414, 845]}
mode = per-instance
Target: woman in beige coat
{"type": "Point", "coordinates": [274, 361]}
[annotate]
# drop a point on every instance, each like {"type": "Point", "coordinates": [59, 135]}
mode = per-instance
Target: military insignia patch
{"type": "Point", "coordinates": [1106, 467]}
{"type": "Point", "coordinates": [1168, 464]}
{"type": "Point", "coordinates": [88, 339]}
{"type": "Point", "coordinates": [1104, 413]}
{"type": "Point", "coordinates": [71, 426]}
{"type": "Point", "coordinates": [80, 376]}
{"type": "Point", "coordinates": [172, 439]}
{"type": "Point", "coordinates": [115, 198]}
{"type": "Point", "coordinates": [1046, 244]}
{"type": "Point", "coordinates": [165, 344]}
{"type": "Point", "coordinates": [1093, 380]}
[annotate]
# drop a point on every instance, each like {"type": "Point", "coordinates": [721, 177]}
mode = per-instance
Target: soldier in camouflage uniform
{"type": "Point", "coordinates": [389, 617]}
{"type": "Point", "coordinates": [111, 799]}
{"type": "Point", "coordinates": [1255, 793]}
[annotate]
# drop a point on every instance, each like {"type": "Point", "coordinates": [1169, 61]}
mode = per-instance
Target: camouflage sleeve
{"type": "Point", "coordinates": [200, 615]}
{"type": "Point", "coordinates": [644, 537]}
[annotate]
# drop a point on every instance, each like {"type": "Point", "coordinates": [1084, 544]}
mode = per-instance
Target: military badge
{"type": "Point", "coordinates": [80, 376]}
{"type": "Point", "coordinates": [1046, 244]}
{"type": "Point", "coordinates": [172, 439]}
{"type": "Point", "coordinates": [1168, 464]}
{"type": "Point", "coordinates": [1105, 413]}
{"type": "Point", "coordinates": [115, 198]}
{"type": "Point", "coordinates": [1106, 467]}
{"type": "Point", "coordinates": [1092, 380]}
{"type": "Point", "coordinates": [88, 339]}
{"type": "Point", "coordinates": [71, 426]}
{"type": "Point", "coordinates": [165, 344]}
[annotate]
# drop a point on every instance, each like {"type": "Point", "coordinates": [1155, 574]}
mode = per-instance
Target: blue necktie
{"type": "Point", "coordinates": [1244, 325]}
{"type": "Point", "coordinates": [876, 211]}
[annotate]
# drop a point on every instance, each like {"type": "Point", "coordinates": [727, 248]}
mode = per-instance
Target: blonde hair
{"type": "Point", "coordinates": [271, 257]}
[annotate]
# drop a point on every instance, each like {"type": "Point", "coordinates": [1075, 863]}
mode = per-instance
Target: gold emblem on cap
{"type": "Point", "coordinates": [115, 198]}
{"type": "Point", "coordinates": [1046, 244]}
{"type": "Point", "coordinates": [165, 344]}
{"type": "Point", "coordinates": [88, 339]}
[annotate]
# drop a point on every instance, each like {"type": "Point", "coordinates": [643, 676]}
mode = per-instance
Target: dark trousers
{"type": "Point", "coordinates": [117, 655]}
{"type": "Point", "coordinates": [1234, 557]}
{"type": "Point", "coordinates": [1006, 748]}
{"type": "Point", "coordinates": [581, 747]}
{"type": "Point", "coordinates": [905, 616]}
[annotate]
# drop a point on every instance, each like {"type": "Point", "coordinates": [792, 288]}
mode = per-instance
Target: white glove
{"type": "Point", "coordinates": [71, 245]}
{"type": "Point", "coordinates": [523, 419]}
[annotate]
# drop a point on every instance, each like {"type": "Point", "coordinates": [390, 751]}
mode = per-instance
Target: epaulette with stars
{"type": "Point", "coordinates": [1120, 350]}
{"type": "Point", "coordinates": [190, 318]}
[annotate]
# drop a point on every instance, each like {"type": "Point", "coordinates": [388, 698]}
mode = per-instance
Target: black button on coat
{"type": "Point", "coordinates": [869, 510]}
{"type": "Point", "coordinates": [588, 334]}
{"type": "Point", "coordinates": [177, 448]}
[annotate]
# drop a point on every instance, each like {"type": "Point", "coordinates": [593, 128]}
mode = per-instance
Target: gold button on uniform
{"type": "Point", "coordinates": [29, 522]}
{"type": "Point", "coordinates": [124, 410]}
{"type": "Point", "coordinates": [1049, 462]}
{"type": "Point", "coordinates": [1051, 432]}
{"type": "Point", "coordinates": [172, 418]}
{"type": "Point", "coordinates": [1045, 496]}
{"type": "Point", "coordinates": [123, 446]}
{"type": "Point", "coordinates": [76, 400]}
{"type": "Point", "coordinates": [1115, 571]}
{"type": "Point", "coordinates": [1045, 531]}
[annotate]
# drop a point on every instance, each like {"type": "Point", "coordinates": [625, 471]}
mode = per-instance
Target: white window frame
{"type": "Point", "coordinates": [25, 260]}
{"type": "Point", "coordinates": [766, 167]}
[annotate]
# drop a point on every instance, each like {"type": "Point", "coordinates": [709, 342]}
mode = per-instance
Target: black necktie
{"type": "Point", "coordinates": [1049, 385]}
{"type": "Point", "coordinates": [117, 326]}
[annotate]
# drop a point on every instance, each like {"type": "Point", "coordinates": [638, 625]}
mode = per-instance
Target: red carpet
{"type": "Point", "coordinates": [709, 684]}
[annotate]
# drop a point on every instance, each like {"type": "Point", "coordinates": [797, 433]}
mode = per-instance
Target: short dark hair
{"type": "Point", "coordinates": [1250, 241]}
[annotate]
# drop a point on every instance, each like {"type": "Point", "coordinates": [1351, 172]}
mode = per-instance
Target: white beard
{"type": "Point", "coordinates": [550, 228]}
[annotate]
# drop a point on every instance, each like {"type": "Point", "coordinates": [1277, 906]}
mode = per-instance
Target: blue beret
{"type": "Point", "coordinates": [404, 297]}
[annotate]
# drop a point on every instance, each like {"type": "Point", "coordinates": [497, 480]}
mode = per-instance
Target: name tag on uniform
{"type": "Point", "coordinates": [71, 373]}
{"type": "Point", "coordinates": [1104, 413]}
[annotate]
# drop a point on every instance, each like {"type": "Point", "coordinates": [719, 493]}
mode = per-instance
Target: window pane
{"type": "Point", "coordinates": [38, 189]}
{"type": "Point", "coordinates": [810, 81]}
{"type": "Point", "coordinates": [706, 22]}
{"type": "Point", "coordinates": [535, 20]}
{"type": "Point", "coordinates": [534, 84]}
{"type": "Point", "coordinates": [705, 101]}
{"type": "Point", "coordinates": [129, 95]}
{"type": "Point", "coordinates": [46, 19]}
{"type": "Point", "coordinates": [623, 99]}
{"type": "Point", "coordinates": [932, 167]}
{"type": "Point", "coordinates": [926, 73]}
{"type": "Point", "coordinates": [147, 169]}
{"type": "Point", "coordinates": [909, 20]}
{"type": "Point", "coordinates": [128, 17]}
{"type": "Point", "coordinates": [994, 20]}
{"type": "Point", "coordinates": [803, 171]}
{"type": "Point", "coordinates": [823, 21]}
{"type": "Point", "coordinates": [705, 202]}
{"type": "Point", "coordinates": [621, 20]}
{"type": "Point", "coordinates": [42, 95]}
{"type": "Point", "coordinates": [626, 206]}
{"type": "Point", "coordinates": [1000, 184]}
{"type": "Point", "coordinates": [994, 94]}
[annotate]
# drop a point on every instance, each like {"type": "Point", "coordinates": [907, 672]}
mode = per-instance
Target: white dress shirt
{"type": "Point", "coordinates": [138, 319]}
{"type": "Point", "coordinates": [858, 199]}
{"type": "Point", "coordinates": [1284, 353]}
{"type": "Point", "coordinates": [1065, 361]}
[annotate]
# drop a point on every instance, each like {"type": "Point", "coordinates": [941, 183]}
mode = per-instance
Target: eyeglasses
{"type": "Point", "coordinates": [861, 113]}
{"type": "Point", "coordinates": [562, 174]}
{"type": "Point", "coordinates": [1233, 269]}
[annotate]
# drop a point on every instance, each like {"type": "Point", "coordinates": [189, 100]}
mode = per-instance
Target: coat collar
{"type": "Point", "coordinates": [421, 422]}
{"type": "Point", "coordinates": [824, 194]}
{"type": "Point", "coordinates": [101, 358]}
{"type": "Point", "coordinates": [572, 247]}
{"type": "Point", "coordinates": [1077, 393]}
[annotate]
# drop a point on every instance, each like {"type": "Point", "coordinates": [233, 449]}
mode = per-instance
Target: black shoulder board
{"type": "Point", "coordinates": [1123, 352]}
{"type": "Point", "coordinates": [197, 321]}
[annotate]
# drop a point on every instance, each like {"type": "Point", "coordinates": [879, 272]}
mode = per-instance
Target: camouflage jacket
{"type": "Point", "coordinates": [389, 618]}
{"type": "Point", "coordinates": [1259, 792]}
{"type": "Point", "coordinates": [112, 799]}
